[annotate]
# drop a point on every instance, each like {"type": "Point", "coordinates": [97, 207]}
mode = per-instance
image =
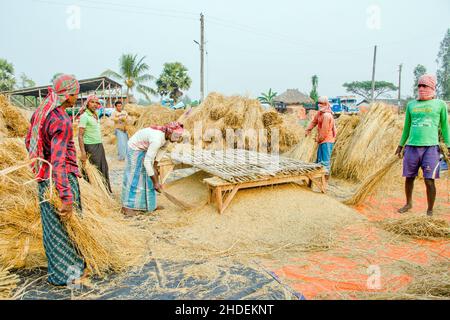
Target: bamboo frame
{"type": "Point", "coordinates": [222, 192]}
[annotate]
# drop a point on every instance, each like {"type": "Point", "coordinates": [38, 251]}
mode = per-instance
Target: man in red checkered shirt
{"type": "Point", "coordinates": [50, 138]}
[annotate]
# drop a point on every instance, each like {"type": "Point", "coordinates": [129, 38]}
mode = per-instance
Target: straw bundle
{"type": "Point", "coordinates": [13, 121]}
{"type": "Point", "coordinates": [106, 240]}
{"type": "Point", "coordinates": [370, 146]}
{"type": "Point", "coordinates": [306, 149]}
{"type": "Point", "coordinates": [371, 182]}
{"type": "Point", "coordinates": [345, 126]}
{"type": "Point", "coordinates": [3, 129]}
{"type": "Point", "coordinates": [418, 227]}
{"type": "Point", "coordinates": [96, 179]}
{"type": "Point", "coordinates": [8, 283]}
{"type": "Point", "coordinates": [271, 118]}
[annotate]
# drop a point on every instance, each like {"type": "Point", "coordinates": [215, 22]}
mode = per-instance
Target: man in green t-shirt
{"type": "Point", "coordinates": [424, 117]}
{"type": "Point", "coordinates": [90, 139]}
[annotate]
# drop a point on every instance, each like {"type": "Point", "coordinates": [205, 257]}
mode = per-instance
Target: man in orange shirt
{"type": "Point", "coordinates": [326, 137]}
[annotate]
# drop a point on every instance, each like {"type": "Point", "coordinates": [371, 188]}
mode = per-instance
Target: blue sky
{"type": "Point", "coordinates": [252, 45]}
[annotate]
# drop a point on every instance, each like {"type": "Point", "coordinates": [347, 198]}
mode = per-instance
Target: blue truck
{"type": "Point", "coordinates": [344, 105]}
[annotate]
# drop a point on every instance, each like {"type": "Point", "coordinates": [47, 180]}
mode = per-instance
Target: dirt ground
{"type": "Point", "coordinates": [363, 258]}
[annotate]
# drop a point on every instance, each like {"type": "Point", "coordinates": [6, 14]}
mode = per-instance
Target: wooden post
{"type": "Point", "coordinates": [202, 57]}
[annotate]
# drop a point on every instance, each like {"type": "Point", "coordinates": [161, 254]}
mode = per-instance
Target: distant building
{"type": "Point", "coordinates": [293, 101]}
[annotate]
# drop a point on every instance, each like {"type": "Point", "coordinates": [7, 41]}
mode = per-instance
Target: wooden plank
{"type": "Point", "coordinates": [260, 183]}
{"type": "Point", "coordinates": [229, 198]}
{"type": "Point", "coordinates": [218, 196]}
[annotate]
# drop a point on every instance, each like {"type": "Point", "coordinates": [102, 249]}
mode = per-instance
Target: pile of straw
{"type": "Point", "coordinates": [421, 227]}
{"type": "Point", "coordinates": [364, 149]}
{"type": "Point", "coordinates": [306, 149]}
{"type": "Point", "coordinates": [157, 115]}
{"type": "Point", "coordinates": [371, 182]}
{"type": "Point", "coordinates": [345, 125]}
{"type": "Point", "coordinates": [12, 122]}
{"type": "Point", "coordinates": [431, 282]}
{"type": "Point", "coordinates": [8, 283]}
{"type": "Point", "coordinates": [106, 240]}
{"type": "Point", "coordinates": [139, 117]}
{"type": "Point", "coordinates": [96, 179]}
{"type": "Point", "coordinates": [134, 110]}
{"type": "Point", "coordinates": [428, 283]}
{"type": "Point", "coordinates": [246, 117]}
{"type": "Point", "coordinates": [370, 146]}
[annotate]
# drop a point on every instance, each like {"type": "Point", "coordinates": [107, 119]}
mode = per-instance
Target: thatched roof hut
{"type": "Point", "coordinates": [293, 97]}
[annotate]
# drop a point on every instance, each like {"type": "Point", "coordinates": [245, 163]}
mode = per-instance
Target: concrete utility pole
{"type": "Point", "coordinates": [399, 86]}
{"type": "Point", "coordinates": [373, 72]}
{"type": "Point", "coordinates": [202, 56]}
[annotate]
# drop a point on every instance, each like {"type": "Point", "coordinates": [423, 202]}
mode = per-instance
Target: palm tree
{"type": "Point", "coordinates": [314, 94]}
{"type": "Point", "coordinates": [172, 80]}
{"type": "Point", "coordinates": [133, 73]}
{"type": "Point", "coordinates": [268, 98]}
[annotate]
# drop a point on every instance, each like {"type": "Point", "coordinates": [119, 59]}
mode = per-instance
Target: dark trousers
{"type": "Point", "coordinates": [97, 157]}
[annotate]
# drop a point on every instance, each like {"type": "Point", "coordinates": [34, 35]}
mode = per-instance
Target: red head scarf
{"type": "Point", "coordinates": [429, 92]}
{"type": "Point", "coordinates": [170, 128]}
{"type": "Point", "coordinates": [63, 86]}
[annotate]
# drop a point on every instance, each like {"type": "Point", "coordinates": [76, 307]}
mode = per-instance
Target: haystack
{"type": "Point", "coordinates": [106, 240]}
{"type": "Point", "coordinates": [245, 118]}
{"type": "Point", "coordinates": [373, 142]}
{"type": "Point", "coordinates": [12, 122]}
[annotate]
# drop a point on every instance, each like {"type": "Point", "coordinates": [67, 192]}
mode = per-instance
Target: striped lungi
{"type": "Point", "coordinates": [64, 261]}
{"type": "Point", "coordinates": [137, 190]}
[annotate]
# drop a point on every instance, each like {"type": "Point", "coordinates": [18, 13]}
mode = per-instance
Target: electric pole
{"type": "Point", "coordinates": [202, 57]}
{"type": "Point", "coordinates": [399, 86]}
{"type": "Point", "coordinates": [373, 72]}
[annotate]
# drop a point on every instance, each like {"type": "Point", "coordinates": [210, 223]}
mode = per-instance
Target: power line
{"type": "Point", "coordinates": [121, 10]}
{"type": "Point", "coordinates": [141, 7]}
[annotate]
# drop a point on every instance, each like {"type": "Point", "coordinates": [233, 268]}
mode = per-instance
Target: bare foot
{"type": "Point", "coordinates": [405, 209]}
{"type": "Point", "coordinates": [430, 213]}
{"type": "Point", "coordinates": [129, 213]}
{"type": "Point", "coordinates": [159, 208]}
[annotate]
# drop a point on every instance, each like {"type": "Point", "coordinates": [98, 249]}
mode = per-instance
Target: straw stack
{"type": "Point", "coordinates": [373, 142]}
{"type": "Point", "coordinates": [12, 122]}
{"type": "Point", "coordinates": [106, 240]}
{"type": "Point", "coordinates": [245, 118]}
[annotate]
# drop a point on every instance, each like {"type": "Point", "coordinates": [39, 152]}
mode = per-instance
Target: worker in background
{"type": "Point", "coordinates": [141, 177]}
{"type": "Point", "coordinates": [326, 136]}
{"type": "Point", "coordinates": [120, 118]}
{"type": "Point", "coordinates": [424, 117]}
{"type": "Point", "coordinates": [90, 139]}
{"type": "Point", "coordinates": [50, 137]}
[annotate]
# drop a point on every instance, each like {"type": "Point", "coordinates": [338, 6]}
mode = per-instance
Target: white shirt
{"type": "Point", "coordinates": [149, 140]}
